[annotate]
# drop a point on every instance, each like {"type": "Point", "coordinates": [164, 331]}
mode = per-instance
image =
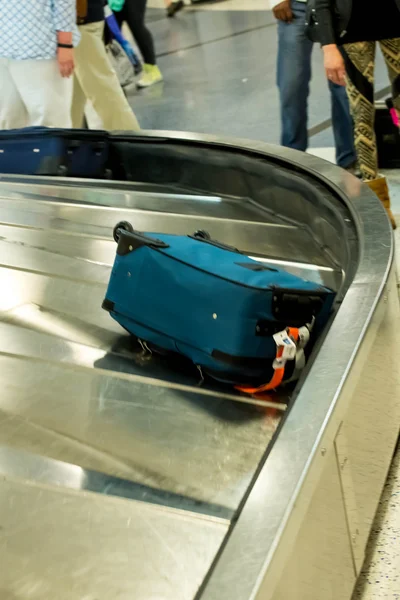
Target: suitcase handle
{"type": "Point", "coordinates": [204, 236]}
{"type": "Point", "coordinates": [129, 240]}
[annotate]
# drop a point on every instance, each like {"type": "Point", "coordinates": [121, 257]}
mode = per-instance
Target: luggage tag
{"type": "Point", "coordinates": [289, 348]}
{"type": "Point", "coordinates": [300, 363]}
{"type": "Point", "coordinates": [304, 336]}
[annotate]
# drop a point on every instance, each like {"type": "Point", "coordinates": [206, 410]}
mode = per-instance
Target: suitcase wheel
{"type": "Point", "coordinates": [203, 235]}
{"type": "Point", "coordinates": [125, 226]}
{"type": "Point", "coordinates": [62, 171]}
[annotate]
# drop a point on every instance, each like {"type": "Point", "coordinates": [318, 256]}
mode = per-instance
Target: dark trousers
{"type": "Point", "coordinates": [133, 14]}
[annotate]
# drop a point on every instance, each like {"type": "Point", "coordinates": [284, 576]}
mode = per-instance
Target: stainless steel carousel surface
{"type": "Point", "coordinates": [124, 476]}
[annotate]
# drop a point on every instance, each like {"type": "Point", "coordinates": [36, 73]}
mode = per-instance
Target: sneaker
{"type": "Point", "coordinates": [151, 75]}
{"type": "Point", "coordinates": [174, 7]}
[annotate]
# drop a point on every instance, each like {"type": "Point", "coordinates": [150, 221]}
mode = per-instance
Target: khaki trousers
{"type": "Point", "coordinates": [95, 80]}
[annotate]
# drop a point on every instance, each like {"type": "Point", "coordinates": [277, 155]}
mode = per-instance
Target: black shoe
{"type": "Point", "coordinates": [354, 169]}
{"type": "Point", "coordinates": [174, 7]}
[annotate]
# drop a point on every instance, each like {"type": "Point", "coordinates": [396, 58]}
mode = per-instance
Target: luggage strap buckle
{"type": "Point", "coordinates": [290, 344]}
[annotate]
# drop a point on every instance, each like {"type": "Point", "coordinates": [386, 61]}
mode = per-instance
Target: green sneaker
{"type": "Point", "coordinates": [151, 75]}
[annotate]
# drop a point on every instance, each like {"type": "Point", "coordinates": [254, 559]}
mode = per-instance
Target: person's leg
{"type": "Point", "coordinates": [342, 125]}
{"type": "Point", "coordinates": [293, 79]}
{"type": "Point", "coordinates": [12, 109]}
{"type": "Point", "coordinates": [134, 13]}
{"type": "Point", "coordinates": [99, 81]}
{"type": "Point", "coordinates": [78, 105]}
{"type": "Point", "coordinates": [360, 63]}
{"type": "Point", "coordinates": [93, 120]}
{"type": "Point", "coordinates": [46, 95]}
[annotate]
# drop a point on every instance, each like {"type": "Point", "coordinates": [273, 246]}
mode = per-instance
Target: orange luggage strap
{"type": "Point", "coordinates": [286, 348]}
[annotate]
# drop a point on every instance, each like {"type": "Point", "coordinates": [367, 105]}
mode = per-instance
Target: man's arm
{"type": "Point", "coordinates": [65, 21]}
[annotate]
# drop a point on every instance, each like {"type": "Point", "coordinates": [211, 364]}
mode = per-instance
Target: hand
{"type": "Point", "coordinates": [65, 58]}
{"type": "Point", "coordinates": [283, 11]}
{"type": "Point", "coordinates": [116, 5]}
{"type": "Point", "coordinates": [334, 65]}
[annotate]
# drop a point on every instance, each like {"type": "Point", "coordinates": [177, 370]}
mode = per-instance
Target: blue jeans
{"type": "Point", "coordinates": [293, 78]}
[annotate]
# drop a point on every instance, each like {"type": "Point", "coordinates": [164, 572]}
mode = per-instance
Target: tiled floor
{"type": "Point", "coordinates": [380, 578]}
{"type": "Point", "coordinates": [218, 51]}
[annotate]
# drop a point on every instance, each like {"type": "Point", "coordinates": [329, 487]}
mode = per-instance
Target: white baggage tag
{"type": "Point", "coordinates": [289, 351]}
{"type": "Point", "coordinates": [280, 337]}
{"type": "Point", "coordinates": [289, 346]}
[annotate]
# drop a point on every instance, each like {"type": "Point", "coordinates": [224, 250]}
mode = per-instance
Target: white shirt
{"type": "Point", "coordinates": [28, 28]}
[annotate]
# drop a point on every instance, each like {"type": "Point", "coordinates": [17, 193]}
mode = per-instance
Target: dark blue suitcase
{"type": "Point", "coordinates": [54, 152]}
{"type": "Point", "coordinates": [235, 318]}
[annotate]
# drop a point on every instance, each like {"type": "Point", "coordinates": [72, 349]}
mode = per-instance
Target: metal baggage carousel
{"type": "Point", "coordinates": [122, 474]}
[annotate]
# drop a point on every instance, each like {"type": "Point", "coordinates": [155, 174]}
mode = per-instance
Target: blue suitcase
{"type": "Point", "coordinates": [54, 152]}
{"type": "Point", "coordinates": [227, 313]}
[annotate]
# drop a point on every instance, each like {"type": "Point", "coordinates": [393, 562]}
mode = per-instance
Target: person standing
{"type": "Point", "coordinates": [293, 79]}
{"type": "Point", "coordinates": [95, 81]}
{"type": "Point", "coordinates": [36, 62]}
{"type": "Point", "coordinates": [357, 26]}
{"type": "Point", "coordinates": [133, 13]}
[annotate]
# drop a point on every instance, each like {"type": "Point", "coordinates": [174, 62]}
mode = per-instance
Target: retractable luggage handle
{"type": "Point", "coordinates": [204, 236]}
{"type": "Point", "coordinates": [129, 240]}
{"type": "Point", "coordinates": [139, 239]}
